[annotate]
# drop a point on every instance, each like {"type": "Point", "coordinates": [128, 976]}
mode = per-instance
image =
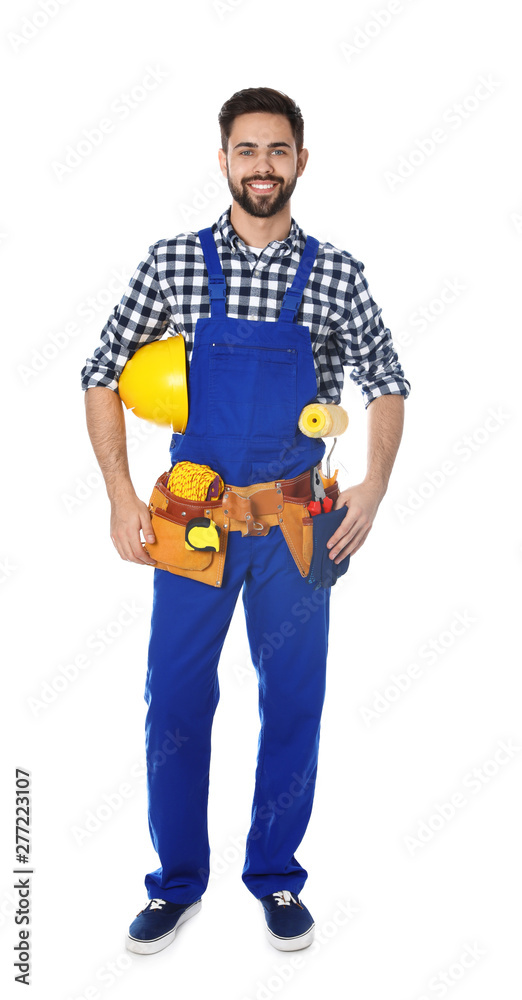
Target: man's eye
{"type": "Point", "coordinates": [248, 152]}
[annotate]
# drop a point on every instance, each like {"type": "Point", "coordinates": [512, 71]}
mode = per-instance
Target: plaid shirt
{"type": "Point", "coordinates": [168, 293]}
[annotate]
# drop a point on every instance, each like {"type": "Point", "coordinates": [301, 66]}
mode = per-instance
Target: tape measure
{"type": "Point", "coordinates": [203, 534]}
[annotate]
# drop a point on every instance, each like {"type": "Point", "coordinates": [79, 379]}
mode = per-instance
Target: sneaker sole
{"type": "Point", "coordinates": [140, 947]}
{"type": "Point", "coordinates": [293, 943]}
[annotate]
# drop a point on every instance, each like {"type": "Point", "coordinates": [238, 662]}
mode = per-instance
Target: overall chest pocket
{"type": "Point", "coordinates": [252, 391]}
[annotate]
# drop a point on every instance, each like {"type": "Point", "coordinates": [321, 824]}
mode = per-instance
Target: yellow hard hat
{"type": "Point", "coordinates": [154, 383]}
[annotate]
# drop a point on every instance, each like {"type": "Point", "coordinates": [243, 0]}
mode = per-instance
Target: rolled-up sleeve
{"type": "Point", "coordinates": [366, 346]}
{"type": "Point", "coordinates": [140, 317]}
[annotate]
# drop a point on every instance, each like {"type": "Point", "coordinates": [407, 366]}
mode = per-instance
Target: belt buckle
{"type": "Point", "coordinates": [254, 527]}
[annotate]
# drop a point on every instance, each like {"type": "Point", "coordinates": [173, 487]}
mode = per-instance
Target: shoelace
{"type": "Point", "coordinates": [284, 898]}
{"type": "Point", "coordinates": [153, 904]}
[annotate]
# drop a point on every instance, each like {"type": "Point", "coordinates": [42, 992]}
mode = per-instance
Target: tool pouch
{"type": "Point", "coordinates": [324, 572]}
{"type": "Point", "coordinates": [297, 526]}
{"type": "Point", "coordinates": [240, 508]}
{"type": "Point", "coordinates": [170, 515]}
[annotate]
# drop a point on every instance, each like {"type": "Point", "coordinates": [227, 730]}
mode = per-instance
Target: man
{"type": "Point", "coordinates": [244, 409]}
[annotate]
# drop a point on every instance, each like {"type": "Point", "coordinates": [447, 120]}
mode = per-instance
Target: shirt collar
{"type": "Point", "coordinates": [229, 236]}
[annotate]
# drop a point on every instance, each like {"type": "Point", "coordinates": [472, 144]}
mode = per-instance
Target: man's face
{"type": "Point", "coordinates": [262, 164]}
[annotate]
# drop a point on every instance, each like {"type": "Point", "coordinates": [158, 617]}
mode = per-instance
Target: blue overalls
{"type": "Point", "coordinates": [248, 382]}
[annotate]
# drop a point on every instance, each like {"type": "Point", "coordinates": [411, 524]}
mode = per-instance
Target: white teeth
{"type": "Point", "coordinates": [262, 187]}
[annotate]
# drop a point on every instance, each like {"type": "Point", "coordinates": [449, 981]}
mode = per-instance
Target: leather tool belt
{"type": "Point", "coordinates": [253, 510]}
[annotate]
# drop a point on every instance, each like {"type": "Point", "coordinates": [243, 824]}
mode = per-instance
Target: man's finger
{"type": "Point", "coordinates": [150, 561]}
{"type": "Point", "coordinates": [146, 527]}
{"type": "Point", "coordinates": [340, 532]}
{"type": "Point", "coordinates": [128, 552]}
{"type": "Point", "coordinates": [344, 544]}
{"type": "Point", "coordinates": [138, 552]}
{"type": "Point", "coordinates": [350, 547]}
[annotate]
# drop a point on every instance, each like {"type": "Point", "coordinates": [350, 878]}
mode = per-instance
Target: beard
{"type": "Point", "coordinates": [264, 206]}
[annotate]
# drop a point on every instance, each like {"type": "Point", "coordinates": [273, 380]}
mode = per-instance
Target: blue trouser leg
{"type": "Point", "coordinates": [287, 627]}
{"type": "Point", "coordinates": [287, 624]}
{"type": "Point", "coordinates": [189, 624]}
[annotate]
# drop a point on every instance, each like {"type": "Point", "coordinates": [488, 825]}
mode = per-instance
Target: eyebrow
{"type": "Point", "coordinates": [255, 145]}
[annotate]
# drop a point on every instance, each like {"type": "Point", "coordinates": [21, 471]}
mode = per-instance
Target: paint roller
{"type": "Point", "coordinates": [324, 420]}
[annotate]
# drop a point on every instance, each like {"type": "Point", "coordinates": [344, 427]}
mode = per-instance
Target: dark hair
{"type": "Point", "coordinates": [253, 99]}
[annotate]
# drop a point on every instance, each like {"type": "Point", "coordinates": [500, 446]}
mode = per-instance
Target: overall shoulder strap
{"type": "Point", "coordinates": [217, 288]}
{"type": "Point", "coordinates": [294, 294]}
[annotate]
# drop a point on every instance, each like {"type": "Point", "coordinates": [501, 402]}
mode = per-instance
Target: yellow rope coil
{"type": "Point", "coordinates": [192, 481]}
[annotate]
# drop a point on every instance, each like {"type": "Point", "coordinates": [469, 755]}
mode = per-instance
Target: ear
{"type": "Point", "coordinates": [222, 157]}
{"type": "Point", "coordinates": [302, 159]}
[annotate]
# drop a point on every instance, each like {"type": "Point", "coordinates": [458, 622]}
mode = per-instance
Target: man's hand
{"type": "Point", "coordinates": [129, 515]}
{"type": "Point", "coordinates": [362, 502]}
{"type": "Point", "coordinates": [385, 422]}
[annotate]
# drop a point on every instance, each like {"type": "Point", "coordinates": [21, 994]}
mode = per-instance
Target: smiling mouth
{"type": "Point", "coordinates": [262, 187]}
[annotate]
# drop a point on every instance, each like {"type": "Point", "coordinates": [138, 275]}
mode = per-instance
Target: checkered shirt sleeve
{"type": "Point", "coordinates": [365, 345]}
{"type": "Point", "coordinates": [141, 317]}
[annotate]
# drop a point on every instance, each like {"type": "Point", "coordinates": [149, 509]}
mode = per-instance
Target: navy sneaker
{"type": "Point", "coordinates": [154, 927]}
{"type": "Point", "coordinates": [289, 924]}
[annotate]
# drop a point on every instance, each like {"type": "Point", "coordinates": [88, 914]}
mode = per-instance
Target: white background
{"type": "Point", "coordinates": [446, 541]}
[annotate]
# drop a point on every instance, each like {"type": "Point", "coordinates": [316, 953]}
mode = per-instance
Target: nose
{"type": "Point", "coordinates": [262, 163]}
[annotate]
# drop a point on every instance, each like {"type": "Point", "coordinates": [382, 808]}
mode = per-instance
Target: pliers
{"type": "Point", "coordinates": [320, 503]}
